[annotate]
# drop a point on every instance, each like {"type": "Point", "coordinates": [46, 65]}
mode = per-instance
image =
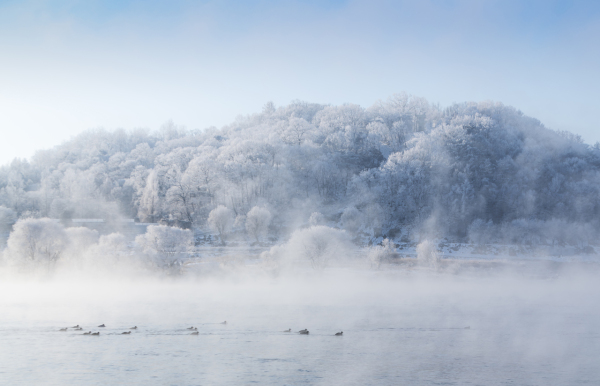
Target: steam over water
{"type": "Point", "coordinates": [400, 224]}
{"type": "Point", "coordinates": [399, 328]}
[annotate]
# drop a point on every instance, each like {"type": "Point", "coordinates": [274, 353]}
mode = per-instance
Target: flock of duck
{"type": "Point", "coordinates": [193, 329]}
{"type": "Point", "coordinates": [79, 328]}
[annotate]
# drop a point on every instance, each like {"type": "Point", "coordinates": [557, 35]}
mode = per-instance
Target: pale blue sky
{"type": "Point", "coordinates": [66, 66]}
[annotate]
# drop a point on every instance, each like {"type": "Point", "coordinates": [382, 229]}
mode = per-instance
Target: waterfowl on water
{"type": "Point", "coordinates": [133, 328]}
{"type": "Point", "coordinates": [339, 333]}
{"type": "Point", "coordinates": [78, 329]}
{"type": "Point", "coordinates": [126, 333]}
{"type": "Point", "coordinates": [77, 326]}
{"type": "Point", "coordinates": [95, 333]}
{"type": "Point", "coordinates": [192, 328]}
{"type": "Point", "coordinates": [195, 333]}
{"type": "Point", "coordinates": [301, 331]}
{"type": "Point", "coordinates": [225, 322]}
{"type": "Point", "coordinates": [102, 325]}
{"type": "Point", "coordinates": [87, 333]}
{"type": "Point", "coordinates": [305, 332]}
{"type": "Point", "coordinates": [63, 329]}
{"type": "Point", "coordinates": [288, 330]}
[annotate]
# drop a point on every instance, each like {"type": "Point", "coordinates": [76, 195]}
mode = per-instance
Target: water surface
{"type": "Point", "coordinates": [398, 329]}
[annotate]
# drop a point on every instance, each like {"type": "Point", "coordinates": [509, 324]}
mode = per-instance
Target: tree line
{"type": "Point", "coordinates": [402, 166]}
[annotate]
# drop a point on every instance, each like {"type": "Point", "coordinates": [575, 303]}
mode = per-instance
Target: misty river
{"type": "Point", "coordinates": [398, 329]}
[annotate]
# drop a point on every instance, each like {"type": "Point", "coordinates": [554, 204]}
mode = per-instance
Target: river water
{"type": "Point", "coordinates": [398, 329]}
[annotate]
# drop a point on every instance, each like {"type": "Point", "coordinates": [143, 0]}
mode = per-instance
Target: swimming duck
{"type": "Point", "coordinates": [195, 333]}
{"type": "Point", "coordinates": [192, 328]}
{"type": "Point", "coordinates": [78, 329]}
{"type": "Point", "coordinates": [77, 326]}
{"type": "Point", "coordinates": [126, 333]}
{"type": "Point", "coordinates": [301, 331]}
{"type": "Point", "coordinates": [102, 325]}
{"type": "Point", "coordinates": [288, 330]}
{"type": "Point", "coordinates": [133, 328]}
{"type": "Point", "coordinates": [63, 329]}
{"type": "Point", "coordinates": [95, 333]}
{"type": "Point", "coordinates": [87, 333]}
{"type": "Point", "coordinates": [225, 322]}
{"type": "Point", "coordinates": [339, 333]}
{"type": "Point", "coordinates": [305, 332]}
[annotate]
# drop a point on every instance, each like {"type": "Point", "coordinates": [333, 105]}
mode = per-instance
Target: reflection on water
{"type": "Point", "coordinates": [397, 330]}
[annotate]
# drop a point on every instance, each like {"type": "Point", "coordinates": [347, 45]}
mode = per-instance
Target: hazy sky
{"type": "Point", "coordinates": [66, 66]}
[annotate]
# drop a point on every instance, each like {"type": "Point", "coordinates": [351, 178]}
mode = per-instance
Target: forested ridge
{"type": "Point", "coordinates": [403, 165]}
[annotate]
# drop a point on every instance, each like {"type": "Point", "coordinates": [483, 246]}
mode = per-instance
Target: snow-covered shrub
{"type": "Point", "coordinates": [111, 252]}
{"type": "Point", "coordinates": [317, 246]}
{"type": "Point", "coordinates": [221, 219]}
{"type": "Point", "coordinates": [257, 222]}
{"type": "Point", "coordinates": [165, 246]}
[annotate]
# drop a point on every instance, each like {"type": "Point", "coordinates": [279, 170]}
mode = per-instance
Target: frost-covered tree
{"type": "Point", "coordinates": [257, 222]}
{"type": "Point", "coordinates": [164, 246]}
{"type": "Point", "coordinates": [111, 253]}
{"type": "Point", "coordinates": [296, 131]}
{"type": "Point", "coordinates": [149, 202]}
{"type": "Point", "coordinates": [400, 163]}
{"type": "Point", "coordinates": [221, 219]}
{"type": "Point", "coordinates": [37, 241]}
